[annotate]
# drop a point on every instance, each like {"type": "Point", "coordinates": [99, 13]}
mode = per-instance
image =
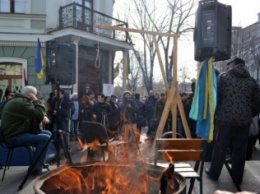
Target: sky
{"type": "Point", "coordinates": [244, 13]}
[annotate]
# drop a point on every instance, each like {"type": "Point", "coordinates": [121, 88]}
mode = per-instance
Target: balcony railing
{"type": "Point", "coordinates": [76, 16]}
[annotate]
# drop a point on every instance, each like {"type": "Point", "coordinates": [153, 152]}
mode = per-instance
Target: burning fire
{"type": "Point", "coordinates": [105, 178]}
{"type": "Point", "coordinates": [167, 157]}
{"type": "Point", "coordinates": [124, 172]}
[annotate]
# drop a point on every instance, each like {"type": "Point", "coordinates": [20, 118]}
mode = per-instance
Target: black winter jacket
{"type": "Point", "coordinates": [238, 97]}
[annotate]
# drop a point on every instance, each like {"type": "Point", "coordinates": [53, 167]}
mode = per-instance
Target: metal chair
{"type": "Point", "coordinates": [91, 132]}
{"type": "Point", "coordinates": [10, 149]}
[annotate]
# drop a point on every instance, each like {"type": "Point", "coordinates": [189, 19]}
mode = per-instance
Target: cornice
{"type": "Point", "coordinates": [20, 43]}
{"type": "Point", "coordinates": [22, 16]}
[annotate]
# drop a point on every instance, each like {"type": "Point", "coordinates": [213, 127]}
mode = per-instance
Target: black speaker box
{"type": "Point", "coordinates": [213, 31]}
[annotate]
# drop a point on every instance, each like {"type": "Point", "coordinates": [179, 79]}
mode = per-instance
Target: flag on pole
{"type": "Point", "coordinates": [39, 61]}
{"type": "Point", "coordinates": [127, 59]}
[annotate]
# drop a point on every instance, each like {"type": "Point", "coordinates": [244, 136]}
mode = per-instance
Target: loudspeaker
{"type": "Point", "coordinates": [60, 63]}
{"type": "Point", "coordinates": [66, 64]}
{"type": "Point", "coordinates": [51, 50]}
{"type": "Point", "coordinates": [213, 31]}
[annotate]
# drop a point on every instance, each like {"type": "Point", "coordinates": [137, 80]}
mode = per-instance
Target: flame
{"type": "Point", "coordinates": [167, 157]}
{"type": "Point", "coordinates": [102, 177]}
{"type": "Point", "coordinates": [123, 172]}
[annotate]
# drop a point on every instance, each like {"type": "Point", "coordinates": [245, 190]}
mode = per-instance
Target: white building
{"type": "Point", "coordinates": [246, 45]}
{"type": "Point", "coordinates": [22, 22]}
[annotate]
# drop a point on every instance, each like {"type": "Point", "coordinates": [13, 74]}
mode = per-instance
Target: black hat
{"type": "Point", "coordinates": [90, 92]}
{"type": "Point", "coordinates": [62, 91]}
{"type": "Point", "coordinates": [113, 96]}
{"type": "Point", "coordinates": [237, 61]}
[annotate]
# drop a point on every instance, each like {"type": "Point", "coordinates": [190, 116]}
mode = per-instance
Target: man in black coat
{"type": "Point", "coordinates": [101, 110]}
{"type": "Point", "coordinates": [238, 102]}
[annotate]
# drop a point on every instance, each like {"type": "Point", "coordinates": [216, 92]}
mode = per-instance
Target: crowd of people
{"type": "Point", "coordinates": [66, 111]}
{"type": "Point", "coordinates": [238, 103]}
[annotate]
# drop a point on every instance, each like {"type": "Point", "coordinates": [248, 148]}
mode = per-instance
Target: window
{"type": "Point", "coordinates": [10, 69]}
{"type": "Point", "coordinates": [11, 78]}
{"type": "Point", "coordinates": [12, 6]}
{"type": "Point", "coordinates": [86, 3]}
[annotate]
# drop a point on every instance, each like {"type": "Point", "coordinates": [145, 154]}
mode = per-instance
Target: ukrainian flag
{"type": "Point", "coordinates": [205, 100]}
{"type": "Point", "coordinates": [39, 61]}
{"type": "Point", "coordinates": [128, 68]}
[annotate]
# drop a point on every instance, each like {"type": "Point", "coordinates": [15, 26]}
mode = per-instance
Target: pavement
{"type": "Point", "coordinates": [15, 174]}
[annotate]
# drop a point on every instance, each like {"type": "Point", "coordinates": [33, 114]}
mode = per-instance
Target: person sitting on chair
{"type": "Point", "coordinates": [17, 117]}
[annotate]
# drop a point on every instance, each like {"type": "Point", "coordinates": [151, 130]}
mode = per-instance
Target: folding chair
{"type": "Point", "coordinates": [184, 150]}
{"type": "Point", "coordinates": [10, 149]}
{"type": "Point", "coordinates": [93, 131]}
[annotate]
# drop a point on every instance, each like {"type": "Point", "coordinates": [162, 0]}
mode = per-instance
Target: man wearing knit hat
{"type": "Point", "coordinates": [238, 102]}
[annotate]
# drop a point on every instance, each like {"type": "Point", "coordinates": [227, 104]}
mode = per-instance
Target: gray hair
{"type": "Point", "coordinates": [28, 89]}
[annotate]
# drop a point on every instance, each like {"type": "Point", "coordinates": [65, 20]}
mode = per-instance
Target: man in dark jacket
{"type": "Point", "coordinates": [149, 114]}
{"type": "Point", "coordinates": [128, 108]}
{"type": "Point", "coordinates": [101, 111]}
{"type": "Point", "coordinates": [62, 109]}
{"type": "Point", "coordinates": [238, 102]}
{"type": "Point", "coordinates": [17, 118]}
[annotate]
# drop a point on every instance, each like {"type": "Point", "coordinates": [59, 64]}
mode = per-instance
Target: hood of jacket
{"type": "Point", "coordinates": [240, 70]}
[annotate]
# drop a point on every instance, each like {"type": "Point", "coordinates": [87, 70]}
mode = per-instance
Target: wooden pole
{"type": "Point", "coordinates": [134, 30]}
{"type": "Point", "coordinates": [166, 85]}
{"type": "Point", "coordinates": [173, 96]}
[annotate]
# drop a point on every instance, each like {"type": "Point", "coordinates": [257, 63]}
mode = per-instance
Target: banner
{"type": "Point", "coordinates": [108, 89]}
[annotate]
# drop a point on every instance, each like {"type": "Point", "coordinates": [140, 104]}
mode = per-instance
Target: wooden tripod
{"type": "Point", "coordinates": [173, 95]}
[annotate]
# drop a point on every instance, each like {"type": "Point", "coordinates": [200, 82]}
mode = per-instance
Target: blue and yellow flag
{"type": "Point", "coordinates": [128, 69]}
{"type": "Point", "coordinates": [205, 100]}
{"type": "Point", "coordinates": [39, 61]}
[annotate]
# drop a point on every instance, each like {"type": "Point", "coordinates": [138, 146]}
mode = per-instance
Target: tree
{"type": "Point", "coordinates": [134, 78]}
{"type": "Point", "coordinates": [171, 16]}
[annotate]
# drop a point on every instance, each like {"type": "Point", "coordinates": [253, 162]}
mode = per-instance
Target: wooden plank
{"type": "Point", "coordinates": [178, 143]}
{"type": "Point", "coordinates": [179, 155]}
{"type": "Point", "coordinates": [174, 114]}
{"type": "Point", "coordinates": [183, 116]}
{"type": "Point", "coordinates": [166, 85]}
{"type": "Point", "coordinates": [134, 30]}
{"type": "Point", "coordinates": [162, 122]}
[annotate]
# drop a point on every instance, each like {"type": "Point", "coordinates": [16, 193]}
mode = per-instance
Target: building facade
{"type": "Point", "coordinates": [22, 22]}
{"type": "Point", "coordinates": [246, 45]}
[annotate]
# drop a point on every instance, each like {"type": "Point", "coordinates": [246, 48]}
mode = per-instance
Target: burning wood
{"type": "Point", "coordinates": [107, 178]}
{"type": "Point", "coordinates": [167, 178]}
{"type": "Point", "coordinates": [100, 178]}
{"type": "Point", "coordinates": [125, 171]}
